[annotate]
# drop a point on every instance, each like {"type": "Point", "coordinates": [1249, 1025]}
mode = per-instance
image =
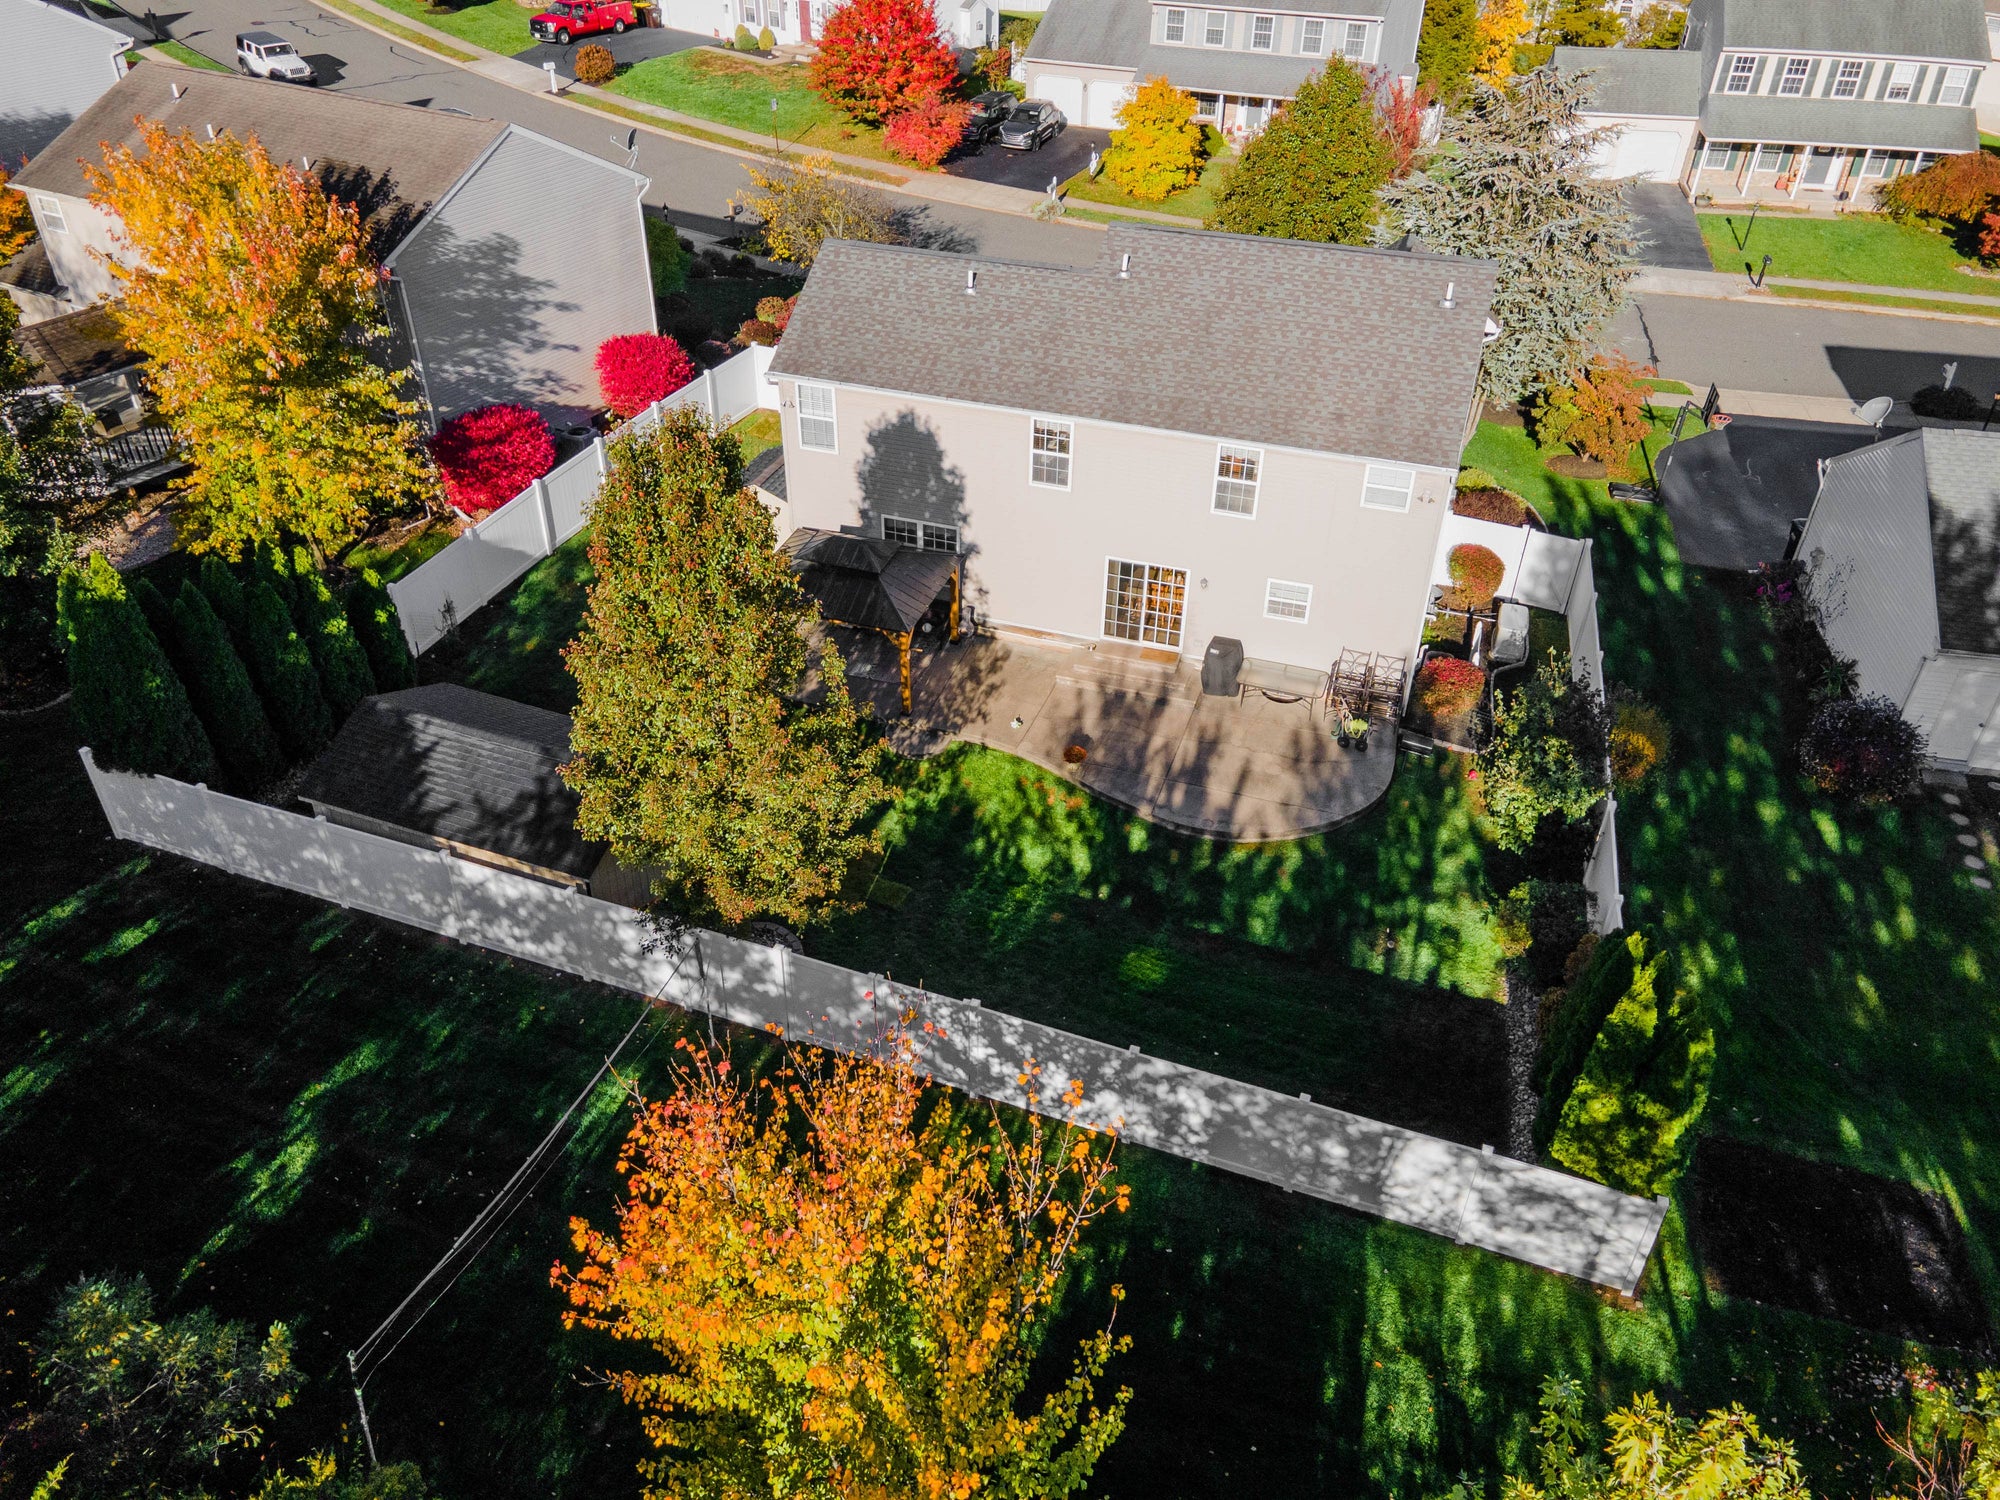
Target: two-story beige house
{"type": "Point", "coordinates": [1200, 435]}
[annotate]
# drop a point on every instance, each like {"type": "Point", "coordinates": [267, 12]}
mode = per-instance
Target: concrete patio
{"type": "Point", "coordinates": [1243, 770]}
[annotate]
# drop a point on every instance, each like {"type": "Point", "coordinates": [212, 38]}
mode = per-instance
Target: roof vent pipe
{"type": "Point", "coordinates": [307, 161]}
{"type": "Point", "coordinates": [177, 90]}
{"type": "Point", "coordinates": [1125, 266]}
{"type": "Point", "coordinates": [971, 281]}
{"type": "Point", "coordinates": [211, 132]}
{"type": "Point", "coordinates": [1450, 296]}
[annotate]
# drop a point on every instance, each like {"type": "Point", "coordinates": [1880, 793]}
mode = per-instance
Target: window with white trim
{"type": "Point", "coordinates": [931, 536]}
{"type": "Point", "coordinates": [1176, 26]}
{"type": "Point", "coordinates": [1715, 156]}
{"type": "Point", "coordinates": [1847, 79]}
{"type": "Point", "coordinates": [1877, 163]}
{"type": "Point", "coordinates": [1236, 471]}
{"type": "Point", "coordinates": [1354, 41]}
{"type": "Point", "coordinates": [1769, 159]}
{"type": "Point", "coordinates": [52, 214]}
{"type": "Point", "coordinates": [1957, 84]}
{"type": "Point", "coordinates": [1287, 601]}
{"type": "Point", "coordinates": [816, 427]}
{"type": "Point", "coordinates": [1793, 80]}
{"type": "Point", "coordinates": [1263, 32]}
{"type": "Point", "coordinates": [1217, 28]}
{"type": "Point", "coordinates": [1742, 70]}
{"type": "Point", "coordinates": [1387, 488]}
{"type": "Point", "coordinates": [1902, 81]}
{"type": "Point", "coordinates": [1312, 37]}
{"type": "Point", "coordinates": [1049, 464]}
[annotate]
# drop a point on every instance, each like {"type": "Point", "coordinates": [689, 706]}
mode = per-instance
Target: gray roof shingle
{"type": "Point", "coordinates": [1839, 122]}
{"type": "Point", "coordinates": [1213, 70]}
{"type": "Point", "coordinates": [1639, 80]}
{"type": "Point", "coordinates": [1107, 32]}
{"type": "Point", "coordinates": [1325, 348]}
{"type": "Point", "coordinates": [392, 160]}
{"type": "Point", "coordinates": [1926, 28]}
{"type": "Point", "coordinates": [1962, 471]}
{"type": "Point", "coordinates": [458, 765]}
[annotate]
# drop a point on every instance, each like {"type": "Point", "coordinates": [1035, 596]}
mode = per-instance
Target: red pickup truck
{"type": "Point", "coordinates": [566, 20]}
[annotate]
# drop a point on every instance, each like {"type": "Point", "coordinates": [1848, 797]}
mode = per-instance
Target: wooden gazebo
{"type": "Point", "coordinates": [869, 583]}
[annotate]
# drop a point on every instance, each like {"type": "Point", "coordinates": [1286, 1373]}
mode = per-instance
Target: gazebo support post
{"type": "Point", "coordinates": [955, 572]}
{"type": "Point", "coordinates": [903, 661]}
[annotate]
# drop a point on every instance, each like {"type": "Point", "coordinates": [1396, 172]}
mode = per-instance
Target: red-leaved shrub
{"type": "Point", "coordinates": [1958, 189]}
{"type": "Point", "coordinates": [636, 369]}
{"type": "Point", "coordinates": [1501, 506]}
{"type": "Point", "coordinates": [777, 311]}
{"type": "Point", "coordinates": [489, 455]}
{"type": "Point", "coordinates": [1448, 686]}
{"type": "Point", "coordinates": [923, 136]}
{"type": "Point", "coordinates": [756, 331]}
{"type": "Point", "coordinates": [1476, 574]}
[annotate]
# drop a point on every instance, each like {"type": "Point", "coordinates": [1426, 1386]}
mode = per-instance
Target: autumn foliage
{"type": "Point", "coordinates": [925, 133]}
{"type": "Point", "coordinates": [1476, 575]}
{"type": "Point", "coordinates": [1157, 148]}
{"type": "Point", "coordinates": [636, 369]}
{"type": "Point", "coordinates": [877, 58]}
{"type": "Point", "coordinates": [1600, 413]}
{"type": "Point", "coordinates": [1958, 189]}
{"type": "Point", "coordinates": [843, 1278]}
{"type": "Point", "coordinates": [259, 306]}
{"type": "Point", "coordinates": [1448, 686]}
{"type": "Point", "coordinates": [17, 222]}
{"type": "Point", "coordinates": [488, 456]}
{"type": "Point", "coordinates": [1402, 108]}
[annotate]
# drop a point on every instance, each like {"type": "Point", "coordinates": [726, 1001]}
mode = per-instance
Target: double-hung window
{"type": "Point", "coordinates": [816, 429]}
{"type": "Point", "coordinates": [52, 214]}
{"type": "Point", "coordinates": [1216, 29]}
{"type": "Point", "coordinates": [1769, 159]}
{"type": "Point", "coordinates": [1957, 82]}
{"type": "Point", "coordinates": [1387, 488]}
{"type": "Point", "coordinates": [929, 535]}
{"type": "Point", "coordinates": [1902, 81]}
{"type": "Point", "coordinates": [1847, 80]}
{"type": "Point", "coordinates": [1287, 601]}
{"type": "Point", "coordinates": [1312, 37]}
{"type": "Point", "coordinates": [1715, 156]}
{"type": "Point", "coordinates": [1793, 80]}
{"type": "Point", "coordinates": [1236, 471]}
{"type": "Point", "coordinates": [1176, 26]}
{"type": "Point", "coordinates": [1354, 41]}
{"type": "Point", "coordinates": [1048, 464]}
{"type": "Point", "coordinates": [1263, 32]}
{"type": "Point", "coordinates": [1742, 71]}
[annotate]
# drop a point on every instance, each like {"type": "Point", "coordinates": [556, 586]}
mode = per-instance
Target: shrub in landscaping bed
{"type": "Point", "coordinates": [1543, 921]}
{"type": "Point", "coordinates": [270, 564]}
{"type": "Point", "coordinates": [336, 653]}
{"type": "Point", "coordinates": [1448, 687]}
{"type": "Point", "coordinates": [282, 668]}
{"type": "Point", "coordinates": [1955, 189]}
{"type": "Point", "coordinates": [1601, 414]}
{"type": "Point", "coordinates": [128, 705]}
{"type": "Point", "coordinates": [224, 592]}
{"type": "Point", "coordinates": [745, 39]}
{"type": "Point", "coordinates": [1947, 403]}
{"type": "Point", "coordinates": [1862, 748]}
{"type": "Point", "coordinates": [1640, 739]}
{"type": "Point", "coordinates": [1490, 503]}
{"type": "Point", "coordinates": [767, 40]}
{"type": "Point", "coordinates": [924, 134]}
{"type": "Point", "coordinates": [667, 255]}
{"type": "Point", "coordinates": [756, 331]}
{"type": "Point", "coordinates": [1476, 575]}
{"type": "Point", "coordinates": [1548, 756]}
{"type": "Point", "coordinates": [219, 684]}
{"type": "Point", "coordinates": [636, 369]}
{"type": "Point", "coordinates": [594, 64]}
{"type": "Point", "coordinates": [372, 613]}
{"type": "Point", "coordinates": [489, 455]}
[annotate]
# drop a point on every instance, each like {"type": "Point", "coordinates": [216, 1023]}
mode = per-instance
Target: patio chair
{"type": "Point", "coordinates": [1350, 679]}
{"type": "Point", "coordinates": [1385, 683]}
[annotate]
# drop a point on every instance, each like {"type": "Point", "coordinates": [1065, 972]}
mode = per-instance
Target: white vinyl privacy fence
{"type": "Point", "coordinates": [432, 598]}
{"type": "Point", "coordinates": [1474, 1197]}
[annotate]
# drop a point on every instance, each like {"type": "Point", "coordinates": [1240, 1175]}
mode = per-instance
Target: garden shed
{"type": "Point", "coordinates": [1903, 552]}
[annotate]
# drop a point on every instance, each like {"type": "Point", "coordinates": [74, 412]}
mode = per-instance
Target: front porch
{"type": "Point", "coordinates": [1245, 770]}
{"type": "Point", "coordinates": [1821, 178]}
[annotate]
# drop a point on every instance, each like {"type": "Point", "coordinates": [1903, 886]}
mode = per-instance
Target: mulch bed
{"type": "Point", "coordinates": [1835, 1242]}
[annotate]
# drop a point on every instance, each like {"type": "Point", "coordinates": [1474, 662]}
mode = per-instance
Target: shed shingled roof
{"type": "Point", "coordinates": [1323, 348]}
{"type": "Point", "coordinates": [460, 765]}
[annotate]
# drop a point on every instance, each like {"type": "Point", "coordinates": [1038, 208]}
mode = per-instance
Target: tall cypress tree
{"type": "Point", "coordinates": [220, 687]}
{"type": "Point", "coordinates": [270, 564]}
{"type": "Point", "coordinates": [1448, 45]}
{"type": "Point", "coordinates": [283, 671]}
{"type": "Point", "coordinates": [153, 605]}
{"type": "Point", "coordinates": [379, 628]}
{"type": "Point", "coordinates": [129, 706]}
{"type": "Point", "coordinates": [344, 677]}
{"type": "Point", "coordinates": [1314, 172]}
{"type": "Point", "coordinates": [224, 591]}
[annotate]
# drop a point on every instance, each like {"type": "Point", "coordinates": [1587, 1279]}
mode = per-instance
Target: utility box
{"type": "Point", "coordinates": [1219, 668]}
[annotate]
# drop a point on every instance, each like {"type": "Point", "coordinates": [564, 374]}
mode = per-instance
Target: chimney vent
{"type": "Point", "coordinates": [971, 281]}
{"type": "Point", "coordinates": [1450, 296]}
{"type": "Point", "coordinates": [307, 161]}
{"type": "Point", "coordinates": [1125, 266]}
{"type": "Point", "coordinates": [211, 132]}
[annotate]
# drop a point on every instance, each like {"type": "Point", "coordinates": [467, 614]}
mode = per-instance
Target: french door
{"type": "Point", "coordinates": [1144, 603]}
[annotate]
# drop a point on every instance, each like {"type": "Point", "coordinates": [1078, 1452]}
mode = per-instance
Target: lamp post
{"type": "Point", "coordinates": [774, 122]}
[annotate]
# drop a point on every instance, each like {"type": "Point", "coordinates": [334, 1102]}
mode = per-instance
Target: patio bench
{"type": "Point", "coordinates": [1276, 680]}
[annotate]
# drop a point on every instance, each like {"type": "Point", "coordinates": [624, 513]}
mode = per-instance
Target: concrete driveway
{"type": "Point", "coordinates": [1061, 158]}
{"type": "Point", "coordinates": [1667, 226]}
{"type": "Point", "coordinates": [632, 47]}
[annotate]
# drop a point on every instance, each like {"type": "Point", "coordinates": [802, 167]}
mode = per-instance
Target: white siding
{"type": "Point", "coordinates": [522, 271]}
{"type": "Point", "coordinates": [54, 66]}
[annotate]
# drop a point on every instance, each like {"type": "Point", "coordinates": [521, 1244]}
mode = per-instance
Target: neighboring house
{"type": "Point", "coordinates": [1241, 63]}
{"type": "Point", "coordinates": [1786, 101]}
{"type": "Point", "coordinates": [1903, 549]}
{"type": "Point", "coordinates": [1986, 99]}
{"type": "Point", "coordinates": [56, 63]}
{"type": "Point", "coordinates": [511, 256]}
{"type": "Point", "coordinates": [1200, 435]}
{"type": "Point", "coordinates": [964, 23]}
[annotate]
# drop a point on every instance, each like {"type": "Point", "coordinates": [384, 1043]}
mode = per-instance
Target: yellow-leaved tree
{"type": "Point", "coordinates": [845, 1283]}
{"type": "Point", "coordinates": [17, 224]}
{"type": "Point", "coordinates": [1157, 149]}
{"type": "Point", "coordinates": [255, 297]}
{"type": "Point", "coordinates": [1502, 24]}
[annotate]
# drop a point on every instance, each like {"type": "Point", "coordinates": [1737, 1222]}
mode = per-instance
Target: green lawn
{"type": "Point", "coordinates": [181, 52]}
{"type": "Point", "coordinates": [1877, 299]}
{"type": "Point", "coordinates": [757, 433]}
{"type": "Point", "coordinates": [738, 91]}
{"type": "Point", "coordinates": [513, 647]}
{"type": "Point", "coordinates": [1197, 202]}
{"type": "Point", "coordinates": [497, 25]}
{"type": "Point", "coordinates": [1853, 247]}
{"type": "Point", "coordinates": [393, 557]}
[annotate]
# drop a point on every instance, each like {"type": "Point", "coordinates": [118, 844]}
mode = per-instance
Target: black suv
{"type": "Point", "coordinates": [988, 111]}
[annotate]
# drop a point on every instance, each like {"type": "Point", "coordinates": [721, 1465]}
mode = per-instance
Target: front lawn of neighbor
{"type": "Point", "coordinates": [1197, 202]}
{"type": "Point", "coordinates": [1853, 247]}
{"type": "Point", "coordinates": [733, 90]}
{"type": "Point", "coordinates": [497, 25]}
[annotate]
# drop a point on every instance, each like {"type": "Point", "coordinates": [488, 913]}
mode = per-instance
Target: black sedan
{"type": "Point", "coordinates": [989, 112]}
{"type": "Point", "coordinates": [1029, 125]}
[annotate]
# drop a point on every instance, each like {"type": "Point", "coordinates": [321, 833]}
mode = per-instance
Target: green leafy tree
{"type": "Point", "coordinates": [666, 256]}
{"type": "Point", "coordinates": [1548, 756]}
{"type": "Point", "coordinates": [148, 1408]}
{"type": "Point", "coordinates": [129, 706]}
{"type": "Point", "coordinates": [1583, 23]}
{"type": "Point", "coordinates": [1157, 148]}
{"type": "Point", "coordinates": [224, 592]}
{"type": "Point", "coordinates": [379, 628]}
{"type": "Point", "coordinates": [688, 755]}
{"type": "Point", "coordinates": [1949, 1448]}
{"type": "Point", "coordinates": [1517, 188]}
{"type": "Point", "coordinates": [1658, 26]}
{"type": "Point", "coordinates": [282, 668]}
{"type": "Point", "coordinates": [321, 1479]}
{"type": "Point", "coordinates": [1586, 1004]}
{"type": "Point", "coordinates": [1314, 172]}
{"type": "Point", "coordinates": [1651, 1452]}
{"type": "Point", "coordinates": [220, 686]}
{"type": "Point", "coordinates": [1630, 1120]}
{"type": "Point", "coordinates": [336, 650]}
{"type": "Point", "coordinates": [1448, 45]}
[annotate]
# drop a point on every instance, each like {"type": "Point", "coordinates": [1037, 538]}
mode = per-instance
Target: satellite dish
{"type": "Point", "coordinates": [632, 139]}
{"type": "Point", "coordinates": [1876, 411]}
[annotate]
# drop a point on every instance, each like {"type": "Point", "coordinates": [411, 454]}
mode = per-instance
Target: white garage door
{"type": "Point", "coordinates": [1654, 155]}
{"type": "Point", "coordinates": [1064, 92]}
{"type": "Point", "coordinates": [1101, 106]}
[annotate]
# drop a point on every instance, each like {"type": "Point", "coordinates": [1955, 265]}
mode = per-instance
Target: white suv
{"type": "Point", "coordinates": [265, 54]}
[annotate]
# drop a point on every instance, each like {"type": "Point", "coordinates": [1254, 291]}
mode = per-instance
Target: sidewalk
{"type": "Point", "coordinates": [1732, 286]}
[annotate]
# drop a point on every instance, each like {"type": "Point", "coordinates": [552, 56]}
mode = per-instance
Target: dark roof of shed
{"type": "Point", "coordinates": [1324, 348]}
{"type": "Point", "coordinates": [867, 581]}
{"type": "Point", "coordinates": [1962, 472]}
{"type": "Point", "coordinates": [393, 161]}
{"type": "Point", "coordinates": [459, 765]}
{"type": "Point", "coordinates": [76, 346]}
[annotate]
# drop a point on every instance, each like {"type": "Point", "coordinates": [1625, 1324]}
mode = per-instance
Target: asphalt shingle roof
{"type": "Point", "coordinates": [75, 346]}
{"type": "Point", "coordinates": [1839, 122]}
{"type": "Point", "coordinates": [1108, 32]}
{"type": "Point", "coordinates": [1324, 348]}
{"type": "Point", "coordinates": [1212, 70]}
{"type": "Point", "coordinates": [458, 765]}
{"type": "Point", "coordinates": [1962, 470]}
{"type": "Point", "coordinates": [1924, 28]}
{"type": "Point", "coordinates": [867, 581]}
{"type": "Point", "coordinates": [1119, 34]}
{"type": "Point", "coordinates": [392, 160]}
{"type": "Point", "coordinates": [1639, 80]}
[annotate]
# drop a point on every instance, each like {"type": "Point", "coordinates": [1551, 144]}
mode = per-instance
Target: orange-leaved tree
{"type": "Point", "coordinates": [255, 297]}
{"type": "Point", "coordinates": [877, 58]}
{"type": "Point", "coordinates": [17, 223]}
{"type": "Point", "coordinates": [846, 1283]}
